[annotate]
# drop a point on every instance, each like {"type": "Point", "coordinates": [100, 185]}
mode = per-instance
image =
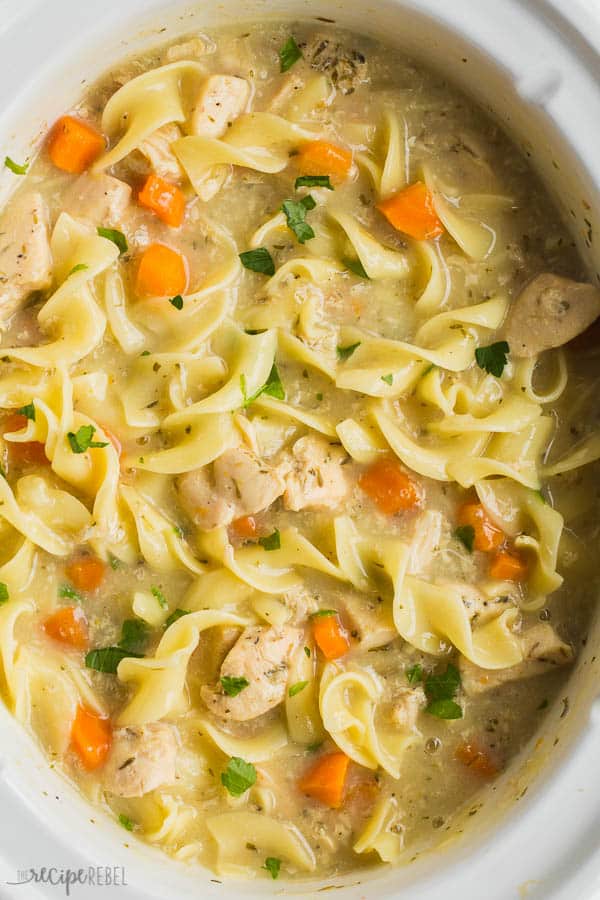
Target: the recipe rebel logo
{"type": "Point", "coordinates": [68, 879]}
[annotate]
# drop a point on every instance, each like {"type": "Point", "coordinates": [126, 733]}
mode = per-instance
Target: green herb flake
{"type": "Point", "coordinates": [117, 237]}
{"type": "Point", "coordinates": [177, 301]}
{"type": "Point", "coordinates": [273, 386]}
{"type": "Point", "coordinates": [387, 378]}
{"type": "Point", "coordinates": [414, 674]}
{"type": "Point", "coordinates": [113, 562]}
{"type": "Point", "coordinates": [134, 636]}
{"type": "Point", "coordinates": [159, 597]}
{"type": "Point", "coordinates": [345, 353]}
{"type": "Point", "coordinates": [322, 613]}
{"type": "Point", "coordinates": [444, 709]}
{"type": "Point", "coordinates": [4, 596]}
{"type": "Point", "coordinates": [259, 260]}
{"type": "Point", "coordinates": [69, 593]}
{"type": "Point", "coordinates": [323, 181]}
{"type": "Point", "coordinates": [295, 213]}
{"type": "Point", "coordinates": [14, 167]}
{"type": "Point", "coordinates": [126, 822]}
{"type": "Point", "coordinates": [493, 359]}
{"type": "Point", "coordinates": [296, 688]}
{"type": "Point", "coordinates": [312, 748]}
{"type": "Point", "coordinates": [307, 651]}
{"type": "Point", "coordinates": [233, 685]}
{"type": "Point", "coordinates": [28, 411]}
{"type": "Point", "coordinates": [356, 267]}
{"type": "Point", "coordinates": [83, 439]}
{"type": "Point", "coordinates": [440, 691]}
{"type": "Point", "coordinates": [107, 659]}
{"type": "Point", "coordinates": [319, 397]}
{"type": "Point", "coordinates": [466, 535]}
{"type": "Point", "coordinates": [238, 776]}
{"type": "Point", "coordinates": [289, 54]}
{"type": "Point", "coordinates": [80, 267]}
{"type": "Point", "coordinates": [273, 866]}
{"type": "Point", "coordinates": [271, 541]}
{"type": "Point", "coordinates": [175, 616]}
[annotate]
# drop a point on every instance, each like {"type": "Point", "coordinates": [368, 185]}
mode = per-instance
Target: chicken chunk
{"type": "Point", "coordinates": [426, 540]}
{"type": "Point", "coordinates": [222, 99]}
{"type": "Point", "coordinates": [101, 199]}
{"type": "Point", "coordinates": [346, 68]}
{"type": "Point", "coordinates": [407, 704]}
{"type": "Point", "coordinates": [25, 256]}
{"type": "Point", "coordinates": [241, 485]}
{"type": "Point", "coordinates": [315, 477]}
{"type": "Point", "coordinates": [370, 620]}
{"type": "Point", "coordinates": [157, 150]}
{"type": "Point", "coordinates": [141, 759]}
{"type": "Point", "coordinates": [261, 655]}
{"type": "Point", "coordinates": [543, 650]}
{"type": "Point", "coordinates": [194, 48]}
{"type": "Point", "coordinates": [548, 313]}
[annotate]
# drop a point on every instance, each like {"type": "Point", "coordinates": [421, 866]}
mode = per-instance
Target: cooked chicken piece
{"type": "Point", "coordinates": [548, 313]}
{"type": "Point", "coordinates": [25, 257]}
{"type": "Point", "coordinates": [194, 48]}
{"type": "Point", "coordinates": [425, 540]}
{"type": "Point", "coordinates": [241, 485]}
{"type": "Point", "coordinates": [291, 84]}
{"type": "Point", "coordinates": [101, 199]}
{"type": "Point", "coordinates": [315, 477]}
{"type": "Point", "coordinates": [543, 650]}
{"type": "Point", "coordinates": [157, 150]}
{"type": "Point", "coordinates": [261, 655]}
{"type": "Point", "coordinates": [408, 703]}
{"type": "Point", "coordinates": [346, 68]}
{"type": "Point", "coordinates": [370, 620]}
{"type": "Point", "coordinates": [141, 758]}
{"type": "Point", "coordinates": [222, 99]}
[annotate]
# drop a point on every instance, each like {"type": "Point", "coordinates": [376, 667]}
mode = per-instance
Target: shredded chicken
{"type": "Point", "coordinates": [141, 759]}
{"type": "Point", "coordinates": [25, 256]}
{"type": "Point", "coordinates": [425, 541]}
{"type": "Point", "coordinates": [407, 704]}
{"type": "Point", "coordinates": [157, 150]}
{"type": "Point", "coordinates": [314, 476]}
{"type": "Point", "coordinates": [222, 99]}
{"type": "Point", "coordinates": [370, 619]}
{"type": "Point", "coordinates": [101, 199]}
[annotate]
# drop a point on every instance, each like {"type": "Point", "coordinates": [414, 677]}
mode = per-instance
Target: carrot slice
{"type": "Point", "coordinates": [324, 158]}
{"type": "Point", "coordinates": [69, 626]}
{"type": "Point", "coordinates": [487, 536]}
{"type": "Point", "coordinates": [91, 737]}
{"type": "Point", "coordinates": [245, 527]}
{"type": "Point", "coordinates": [326, 780]}
{"type": "Point", "coordinates": [390, 487]}
{"type": "Point", "coordinates": [477, 759]}
{"type": "Point", "coordinates": [73, 145]}
{"type": "Point", "coordinates": [164, 199]}
{"type": "Point", "coordinates": [86, 573]}
{"type": "Point", "coordinates": [330, 635]}
{"type": "Point", "coordinates": [25, 453]}
{"type": "Point", "coordinates": [162, 272]}
{"type": "Point", "coordinates": [412, 212]}
{"type": "Point", "coordinates": [508, 566]}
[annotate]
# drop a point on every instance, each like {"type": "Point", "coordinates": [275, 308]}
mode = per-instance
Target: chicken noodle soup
{"type": "Point", "coordinates": [299, 451]}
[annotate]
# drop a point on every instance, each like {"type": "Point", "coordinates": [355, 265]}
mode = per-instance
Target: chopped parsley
{"type": "Point", "coordinates": [4, 596]}
{"type": "Point", "coordinates": [289, 54]}
{"type": "Point", "coordinates": [296, 688]}
{"type": "Point", "coordinates": [83, 440]}
{"type": "Point", "coordinates": [387, 378]}
{"type": "Point", "coordinates": [493, 359]}
{"type": "Point", "coordinates": [107, 659]}
{"type": "Point", "coordinates": [233, 685]}
{"type": "Point", "coordinates": [126, 822]}
{"type": "Point", "coordinates": [134, 636]}
{"type": "Point", "coordinates": [177, 301]}
{"type": "Point", "coordinates": [414, 674]}
{"type": "Point", "coordinates": [271, 541]}
{"type": "Point", "coordinates": [259, 260]}
{"type": "Point", "coordinates": [295, 213]}
{"type": "Point", "coordinates": [67, 592]}
{"type": "Point", "coordinates": [28, 411]}
{"type": "Point", "coordinates": [307, 651]}
{"type": "Point", "coordinates": [273, 386]}
{"type": "Point", "coordinates": [323, 181]}
{"type": "Point", "coordinates": [80, 267]}
{"type": "Point", "coordinates": [238, 776]}
{"type": "Point", "coordinates": [117, 237]}
{"type": "Point", "coordinates": [14, 167]}
{"type": "Point", "coordinates": [273, 866]}
{"type": "Point", "coordinates": [345, 353]}
{"type": "Point", "coordinates": [321, 613]}
{"type": "Point", "coordinates": [175, 615]}
{"type": "Point", "coordinates": [356, 267]}
{"type": "Point", "coordinates": [466, 535]}
{"type": "Point", "coordinates": [441, 690]}
{"type": "Point", "coordinates": [113, 562]}
{"type": "Point", "coordinates": [159, 597]}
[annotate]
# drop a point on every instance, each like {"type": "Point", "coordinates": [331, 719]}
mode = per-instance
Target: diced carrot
{"type": "Point", "coordinates": [487, 536]}
{"type": "Point", "coordinates": [91, 737]}
{"type": "Point", "coordinates": [86, 572]}
{"type": "Point", "coordinates": [245, 527]}
{"type": "Point", "coordinates": [23, 453]}
{"type": "Point", "coordinates": [323, 158]}
{"type": "Point", "coordinates": [325, 781]}
{"type": "Point", "coordinates": [73, 145]}
{"type": "Point", "coordinates": [412, 212]}
{"type": "Point", "coordinates": [330, 635]}
{"type": "Point", "coordinates": [508, 566]}
{"type": "Point", "coordinates": [162, 272]}
{"type": "Point", "coordinates": [69, 626]}
{"type": "Point", "coordinates": [477, 758]}
{"type": "Point", "coordinates": [164, 199]}
{"type": "Point", "coordinates": [390, 487]}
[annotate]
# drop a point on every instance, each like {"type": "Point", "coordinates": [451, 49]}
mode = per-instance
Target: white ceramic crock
{"type": "Point", "coordinates": [537, 67]}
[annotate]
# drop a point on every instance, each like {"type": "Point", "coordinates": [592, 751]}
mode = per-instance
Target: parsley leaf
{"type": "Point", "coordinates": [493, 358]}
{"type": "Point", "coordinates": [296, 688]}
{"type": "Point", "coordinates": [321, 613]}
{"type": "Point", "coordinates": [444, 709]}
{"type": "Point", "coordinates": [273, 386]}
{"type": "Point", "coordinates": [356, 267]}
{"type": "Point", "coordinates": [69, 593]}
{"type": "Point", "coordinates": [80, 267]}
{"type": "Point", "coordinates": [259, 260]}
{"type": "Point", "coordinates": [134, 635]}
{"type": "Point", "coordinates": [177, 301]}
{"type": "Point", "coordinates": [387, 378]}
{"type": "Point", "coordinates": [160, 597]}
{"type": "Point", "coordinates": [314, 181]}
{"type": "Point", "coordinates": [233, 685]}
{"type": "Point", "coordinates": [466, 535]}
{"type": "Point", "coordinates": [307, 651]}
{"type": "Point", "coordinates": [440, 690]}
{"type": "Point", "coordinates": [28, 411]}
{"type": "Point", "coordinates": [14, 167]}
{"type": "Point", "coordinates": [126, 822]}
{"type": "Point", "coordinates": [272, 865]}
{"type": "Point", "coordinates": [117, 237]}
{"type": "Point", "coordinates": [295, 213]}
{"type": "Point", "coordinates": [414, 674]}
{"type": "Point", "coordinates": [106, 659]}
{"type": "Point", "coordinates": [175, 615]}
{"type": "Point", "coordinates": [82, 441]}
{"type": "Point", "coordinates": [289, 54]}
{"type": "Point", "coordinates": [238, 776]}
{"type": "Point", "coordinates": [346, 352]}
{"type": "Point", "coordinates": [271, 541]}
{"type": "Point", "coordinates": [3, 592]}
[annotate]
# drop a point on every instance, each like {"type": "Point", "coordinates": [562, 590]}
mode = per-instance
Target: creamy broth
{"type": "Point", "coordinates": [297, 514]}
